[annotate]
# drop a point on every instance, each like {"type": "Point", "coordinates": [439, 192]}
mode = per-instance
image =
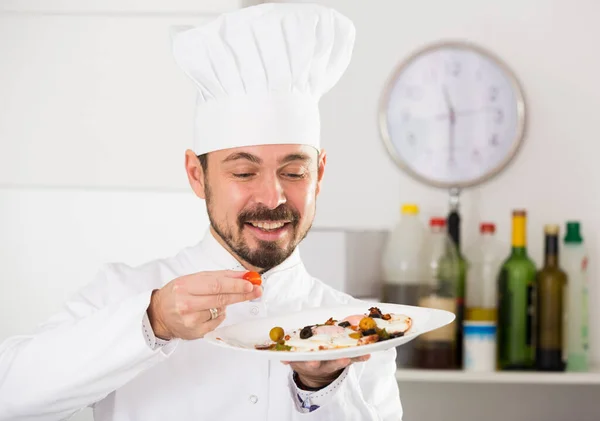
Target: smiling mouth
{"type": "Point", "coordinates": [268, 226]}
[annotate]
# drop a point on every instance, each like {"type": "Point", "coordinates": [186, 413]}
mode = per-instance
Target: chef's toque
{"type": "Point", "coordinates": [260, 72]}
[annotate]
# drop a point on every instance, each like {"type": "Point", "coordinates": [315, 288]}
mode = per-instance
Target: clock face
{"type": "Point", "coordinates": [452, 116]}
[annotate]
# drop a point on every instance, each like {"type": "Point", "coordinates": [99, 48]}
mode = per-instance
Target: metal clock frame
{"type": "Point", "coordinates": [521, 113]}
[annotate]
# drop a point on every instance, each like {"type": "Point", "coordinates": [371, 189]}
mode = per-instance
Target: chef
{"type": "Point", "coordinates": [129, 344]}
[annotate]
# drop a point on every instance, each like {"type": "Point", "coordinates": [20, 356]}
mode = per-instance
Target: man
{"type": "Point", "coordinates": [130, 343]}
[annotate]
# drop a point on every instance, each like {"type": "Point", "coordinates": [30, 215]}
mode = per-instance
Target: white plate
{"type": "Point", "coordinates": [244, 336]}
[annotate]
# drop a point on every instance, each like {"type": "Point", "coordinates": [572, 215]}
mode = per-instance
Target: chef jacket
{"type": "Point", "coordinates": [100, 352]}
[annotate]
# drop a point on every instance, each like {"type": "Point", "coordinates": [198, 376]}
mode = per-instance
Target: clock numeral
{"type": "Point", "coordinates": [412, 140]}
{"type": "Point", "coordinates": [405, 116]}
{"type": "Point", "coordinates": [494, 140]}
{"type": "Point", "coordinates": [499, 116]}
{"type": "Point", "coordinates": [476, 154]}
{"type": "Point", "coordinates": [454, 68]}
{"type": "Point", "coordinates": [493, 93]}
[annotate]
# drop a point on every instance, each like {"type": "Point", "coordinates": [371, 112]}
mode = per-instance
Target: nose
{"type": "Point", "coordinates": [270, 192]}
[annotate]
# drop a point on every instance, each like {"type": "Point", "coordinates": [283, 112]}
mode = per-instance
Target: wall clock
{"type": "Point", "coordinates": [452, 115]}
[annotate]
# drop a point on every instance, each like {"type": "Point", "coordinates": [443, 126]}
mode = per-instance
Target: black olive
{"type": "Point", "coordinates": [396, 334]}
{"type": "Point", "coordinates": [344, 324]}
{"type": "Point", "coordinates": [369, 332]}
{"type": "Point", "coordinates": [306, 332]}
{"type": "Point", "coordinates": [375, 313]}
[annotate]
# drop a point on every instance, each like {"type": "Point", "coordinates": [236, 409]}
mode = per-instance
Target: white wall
{"type": "Point", "coordinates": [94, 118]}
{"type": "Point", "coordinates": [551, 47]}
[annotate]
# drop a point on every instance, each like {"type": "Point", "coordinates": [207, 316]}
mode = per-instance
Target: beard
{"type": "Point", "coordinates": [267, 254]}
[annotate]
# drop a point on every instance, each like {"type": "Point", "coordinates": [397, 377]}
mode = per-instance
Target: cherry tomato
{"type": "Point", "coordinates": [253, 277]}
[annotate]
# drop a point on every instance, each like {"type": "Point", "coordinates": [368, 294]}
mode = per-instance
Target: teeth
{"type": "Point", "coordinates": [268, 225]}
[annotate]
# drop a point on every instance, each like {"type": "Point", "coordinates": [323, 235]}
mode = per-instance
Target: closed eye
{"type": "Point", "coordinates": [295, 176]}
{"type": "Point", "coordinates": [243, 175]}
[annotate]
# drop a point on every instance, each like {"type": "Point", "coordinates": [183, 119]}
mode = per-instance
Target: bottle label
{"type": "Point", "coordinates": [504, 303]}
{"type": "Point", "coordinates": [480, 346]}
{"type": "Point", "coordinates": [446, 333]}
{"type": "Point", "coordinates": [584, 306]}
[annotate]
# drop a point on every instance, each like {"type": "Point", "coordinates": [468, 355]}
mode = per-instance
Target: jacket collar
{"type": "Point", "coordinates": [211, 248]}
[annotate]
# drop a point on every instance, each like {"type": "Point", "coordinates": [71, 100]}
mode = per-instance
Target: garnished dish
{"type": "Point", "coordinates": [354, 330]}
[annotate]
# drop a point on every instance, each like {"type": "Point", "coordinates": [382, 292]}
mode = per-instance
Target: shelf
{"type": "Point", "coordinates": [457, 376]}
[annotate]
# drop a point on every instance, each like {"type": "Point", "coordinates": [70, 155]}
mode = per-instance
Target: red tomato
{"type": "Point", "coordinates": [253, 277]}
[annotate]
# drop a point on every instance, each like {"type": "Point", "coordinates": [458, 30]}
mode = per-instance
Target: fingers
{"type": "Point", "coordinates": [195, 303]}
{"type": "Point", "coordinates": [361, 359]}
{"type": "Point", "coordinates": [214, 283]}
{"type": "Point", "coordinates": [206, 315]}
{"type": "Point", "coordinates": [328, 366]}
{"type": "Point", "coordinates": [212, 324]}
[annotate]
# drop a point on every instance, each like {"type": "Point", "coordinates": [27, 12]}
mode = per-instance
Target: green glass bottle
{"type": "Point", "coordinates": [516, 301]}
{"type": "Point", "coordinates": [551, 283]}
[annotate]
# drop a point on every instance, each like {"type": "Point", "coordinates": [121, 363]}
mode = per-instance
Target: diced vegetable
{"type": "Point", "coordinates": [367, 323]}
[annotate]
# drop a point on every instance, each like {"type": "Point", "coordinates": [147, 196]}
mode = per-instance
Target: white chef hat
{"type": "Point", "coordinates": [260, 72]}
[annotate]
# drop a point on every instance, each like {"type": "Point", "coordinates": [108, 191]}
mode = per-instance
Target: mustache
{"type": "Point", "coordinates": [262, 213]}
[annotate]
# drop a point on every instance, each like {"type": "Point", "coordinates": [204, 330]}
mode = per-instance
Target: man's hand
{"type": "Point", "coordinates": [318, 374]}
{"type": "Point", "coordinates": [180, 309]}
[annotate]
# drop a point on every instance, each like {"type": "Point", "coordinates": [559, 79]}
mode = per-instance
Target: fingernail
{"type": "Point", "coordinates": [248, 287]}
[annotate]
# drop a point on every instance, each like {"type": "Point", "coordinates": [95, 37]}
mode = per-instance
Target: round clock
{"type": "Point", "coordinates": [452, 115]}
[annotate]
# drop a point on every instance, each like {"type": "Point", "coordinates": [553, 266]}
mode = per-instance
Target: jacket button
{"type": "Point", "coordinates": [253, 399]}
{"type": "Point", "coordinates": [254, 310]}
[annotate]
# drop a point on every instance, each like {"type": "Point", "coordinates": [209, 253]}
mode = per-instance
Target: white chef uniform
{"type": "Point", "coordinates": [101, 351]}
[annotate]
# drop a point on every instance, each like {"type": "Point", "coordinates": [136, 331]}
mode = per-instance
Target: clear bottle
{"type": "Point", "coordinates": [574, 261]}
{"type": "Point", "coordinates": [437, 349]}
{"type": "Point", "coordinates": [402, 268]}
{"type": "Point", "coordinates": [486, 256]}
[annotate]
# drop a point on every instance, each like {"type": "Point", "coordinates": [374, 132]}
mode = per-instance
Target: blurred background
{"type": "Point", "coordinates": [95, 118]}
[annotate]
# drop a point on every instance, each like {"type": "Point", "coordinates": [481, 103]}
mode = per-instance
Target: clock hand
{"type": "Point", "coordinates": [451, 124]}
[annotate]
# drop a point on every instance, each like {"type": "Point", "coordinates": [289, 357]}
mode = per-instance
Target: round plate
{"type": "Point", "coordinates": [244, 336]}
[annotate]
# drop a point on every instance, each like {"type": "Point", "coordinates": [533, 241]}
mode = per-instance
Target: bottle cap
{"type": "Point", "coordinates": [551, 229]}
{"type": "Point", "coordinates": [487, 227]}
{"type": "Point", "coordinates": [519, 212]}
{"type": "Point", "coordinates": [573, 234]}
{"type": "Point", "coordinates": [410, 209]}
{"type": "Point", "coordinates": [437, 221]}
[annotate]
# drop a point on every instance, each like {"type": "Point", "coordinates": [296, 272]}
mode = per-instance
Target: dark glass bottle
{"type": "Point", "coordinates": [454, 233]}
{"type": "Point", "coordinates": [551, 282]}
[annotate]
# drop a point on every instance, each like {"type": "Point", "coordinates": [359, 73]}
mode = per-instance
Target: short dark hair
{"type": "Point", "coordinates": [203, 162]}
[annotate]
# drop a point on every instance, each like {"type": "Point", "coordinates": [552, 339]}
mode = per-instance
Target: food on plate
{"type": "Point", "coordinates": [253, 278]}
{"type": "Point", "coordinates": [276, 334]}
{"type": "Point", "coordinates": [354, 330]}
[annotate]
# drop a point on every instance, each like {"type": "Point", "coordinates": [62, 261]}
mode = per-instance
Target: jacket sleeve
{"type": "Point", "coordinates": [78, 357]}
{"type": "Point", "coordinates": [365, 391]}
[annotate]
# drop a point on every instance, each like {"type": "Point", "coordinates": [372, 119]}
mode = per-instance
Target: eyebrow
{"type": "Point", "coordinates": [295, 157]}
{"type": "Point", "coordinates": [243, 155]}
